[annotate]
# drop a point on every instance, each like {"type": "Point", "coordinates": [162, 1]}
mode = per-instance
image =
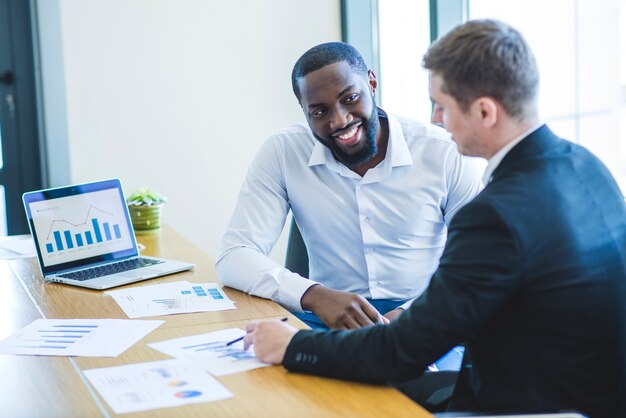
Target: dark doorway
{"type": "Point", "coordinates": [20, 159]}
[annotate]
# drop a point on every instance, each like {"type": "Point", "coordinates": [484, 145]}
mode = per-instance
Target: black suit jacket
{"type": "Point", "coordinates": [532, 279]}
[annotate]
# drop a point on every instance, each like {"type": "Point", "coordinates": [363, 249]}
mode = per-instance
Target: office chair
{"type": "Point", "coordinates": [297, 258]}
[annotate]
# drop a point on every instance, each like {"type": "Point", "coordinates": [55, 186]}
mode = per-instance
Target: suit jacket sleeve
{"type": "Point", "coordinates": [479, 271]}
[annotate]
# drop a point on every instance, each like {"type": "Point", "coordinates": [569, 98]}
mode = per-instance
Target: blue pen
{"type": "Point", "coordinates": [241, 338]}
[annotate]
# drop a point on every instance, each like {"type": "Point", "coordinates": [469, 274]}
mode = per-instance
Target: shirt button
{"type": "Point", "coordinates": [366, 219]}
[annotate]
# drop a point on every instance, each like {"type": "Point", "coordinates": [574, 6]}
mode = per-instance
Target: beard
{"type": "Point", "coordinates": [367, 152]}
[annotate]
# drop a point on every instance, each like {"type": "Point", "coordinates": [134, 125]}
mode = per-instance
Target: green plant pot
{"type": "Point", "coordinates": [146, 219]}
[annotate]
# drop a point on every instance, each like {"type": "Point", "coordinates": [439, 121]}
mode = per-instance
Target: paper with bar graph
{"type": "Point", "coordinates": [77, 337]}
{"type": "Point", "coordinates": [211, 352]}
{"type": "Point", "coordinates": [171, 298]}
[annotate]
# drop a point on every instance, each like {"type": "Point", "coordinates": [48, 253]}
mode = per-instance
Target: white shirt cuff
{"type": "Point", "coordinates": [291, 290]}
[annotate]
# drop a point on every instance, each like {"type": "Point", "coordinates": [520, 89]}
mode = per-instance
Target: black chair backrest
{"type": "Point", "coordinates": [297, 258]}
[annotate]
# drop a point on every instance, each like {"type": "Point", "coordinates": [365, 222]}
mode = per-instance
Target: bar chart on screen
{"type": "Point", "coordinates": [81, 226]}
{"type": "Point", "coordinates": [65, 235]}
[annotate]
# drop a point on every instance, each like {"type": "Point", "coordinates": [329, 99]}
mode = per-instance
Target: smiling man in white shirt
{"type": "Point", "coordinates": [372, 195]}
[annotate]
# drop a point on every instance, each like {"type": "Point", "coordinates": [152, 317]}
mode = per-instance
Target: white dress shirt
{"type": "Point", "coordinates": [379, 236]}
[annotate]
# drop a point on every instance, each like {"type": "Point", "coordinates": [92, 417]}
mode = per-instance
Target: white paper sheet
{"type": "Point", "coordinates": [156, 384]}
{"type": "Point", "coordinates": [210, 351]}
{"type": "Point", "coordinates": [171, 298]}
{"type": "Point", "coordinates": [17, 246]}
{"type": "Point", "coordinates": [77, 337]}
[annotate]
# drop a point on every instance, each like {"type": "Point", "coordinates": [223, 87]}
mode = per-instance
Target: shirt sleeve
{"type": "Point", "coordinates": [464, 182]}
{"type": "Point", "coordinates": [243, 260]}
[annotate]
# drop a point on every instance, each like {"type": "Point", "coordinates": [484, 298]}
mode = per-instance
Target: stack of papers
{"type": "Point", "coordinates": [171, 298]}
{"type": "Point", "coordinates": [156, 384]}
{"type": "Point", "coordinates": [210, 351]}
{"type": "Point", "coordinates": [77, 337]}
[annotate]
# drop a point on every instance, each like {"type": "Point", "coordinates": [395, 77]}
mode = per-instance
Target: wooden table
{"type": "Point", "coordinates": [39, 386]}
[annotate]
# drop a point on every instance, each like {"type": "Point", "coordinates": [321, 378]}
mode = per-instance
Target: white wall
{"type": "Point", "coordinates": [177, 94]}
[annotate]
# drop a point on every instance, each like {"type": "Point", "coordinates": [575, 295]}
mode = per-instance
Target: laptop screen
{"type": "Point", "coordinates": [80, 225]}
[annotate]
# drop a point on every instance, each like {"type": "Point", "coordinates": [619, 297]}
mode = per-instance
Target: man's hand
{"type": "Point", "coordinates": [270, 340]}
{"type": "Point", "coordinates": [340, 310]}
{"type": "Point", "coordinates": [391, 315]}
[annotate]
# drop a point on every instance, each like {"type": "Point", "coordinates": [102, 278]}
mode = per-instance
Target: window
{"type": "Point", "coordinates": [404, 36]}
{"type": "Point", "coordinates": [579, 46]}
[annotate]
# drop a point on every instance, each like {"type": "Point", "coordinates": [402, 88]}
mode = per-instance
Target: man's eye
{"type": "Point", "coordinates": [352, 97]}
{"type": "Point", "coordinates": [318, 112]}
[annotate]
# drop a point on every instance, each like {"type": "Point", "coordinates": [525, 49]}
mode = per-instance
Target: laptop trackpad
{"type": "Point", "coordinates": [139, 273]}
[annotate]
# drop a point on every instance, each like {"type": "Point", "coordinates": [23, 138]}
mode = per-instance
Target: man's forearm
{"type": "Point", "coordinates": [252, 272]}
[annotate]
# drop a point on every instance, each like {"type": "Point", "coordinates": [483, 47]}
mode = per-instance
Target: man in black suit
{"type": "Point", "coordinates": [533, 275]}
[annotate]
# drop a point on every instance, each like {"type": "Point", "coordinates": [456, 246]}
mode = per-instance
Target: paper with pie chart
{"type": "Point", "coordinates": [155, 384]}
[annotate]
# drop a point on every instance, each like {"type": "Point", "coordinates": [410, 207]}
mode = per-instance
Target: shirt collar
{"type": "Point", "coordinates": [397, 148]}
{"type": "Point", "coordinates": [497, 158]}
{"type": "Point", "coordinates": [398, 153]}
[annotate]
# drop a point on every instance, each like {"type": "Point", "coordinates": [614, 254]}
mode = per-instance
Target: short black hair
{"type": "Point", "coordinates": [325, 54]}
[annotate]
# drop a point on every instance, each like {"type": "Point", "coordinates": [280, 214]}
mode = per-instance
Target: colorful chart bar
{"type": "Point", "coordinates": [88, 236]}
{"type": "Point", "coordinates": [57, 239]}
{"type": "Point", "coordinates": [96, 229]}
{"type": "Point", "coordinates": [107, 230]}
{"type": "Point", "coordinates": [68, 239]}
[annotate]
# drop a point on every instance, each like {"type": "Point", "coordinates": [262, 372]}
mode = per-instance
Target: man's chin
{"type": "Point", "coordinates": [357, 160]}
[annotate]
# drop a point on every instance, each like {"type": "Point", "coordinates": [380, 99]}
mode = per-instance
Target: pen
{"type": "Point", "coordinates": [241, 338]}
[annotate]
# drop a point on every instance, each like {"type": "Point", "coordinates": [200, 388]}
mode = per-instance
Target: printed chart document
{"type": "Point", "coordinates": [156, 384]}
{"type": "Point", "coordinates": [171, 298]}
{"type": "Point", "coordinates": [211, 352]}
{"type": "Point", "coordinates": [77, 337]}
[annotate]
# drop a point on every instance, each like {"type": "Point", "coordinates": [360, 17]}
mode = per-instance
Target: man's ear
{"type": "Point", "coordinates": [371, 79]}
{"type": "Point", "coordinates": [486, 109]}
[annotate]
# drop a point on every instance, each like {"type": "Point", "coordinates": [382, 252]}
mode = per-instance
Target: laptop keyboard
{"type": "Point", "coordinates": [92, 273]}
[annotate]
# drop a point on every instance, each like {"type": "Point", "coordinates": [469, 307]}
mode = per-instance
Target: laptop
{"type": "Point", "coordinates": [84, 237]}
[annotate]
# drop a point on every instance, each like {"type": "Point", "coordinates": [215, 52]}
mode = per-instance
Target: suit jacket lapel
{"type": "Point", "coordinates": [535, 144]}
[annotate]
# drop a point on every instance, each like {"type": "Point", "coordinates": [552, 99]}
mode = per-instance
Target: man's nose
{"type": "Point", "coordinates": [340, 119]}
{"type": "Point", "coordinates": [437, 117]}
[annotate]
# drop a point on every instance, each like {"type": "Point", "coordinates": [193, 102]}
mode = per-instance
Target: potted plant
{"type": "Point", "coordinates": [145, 207]}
